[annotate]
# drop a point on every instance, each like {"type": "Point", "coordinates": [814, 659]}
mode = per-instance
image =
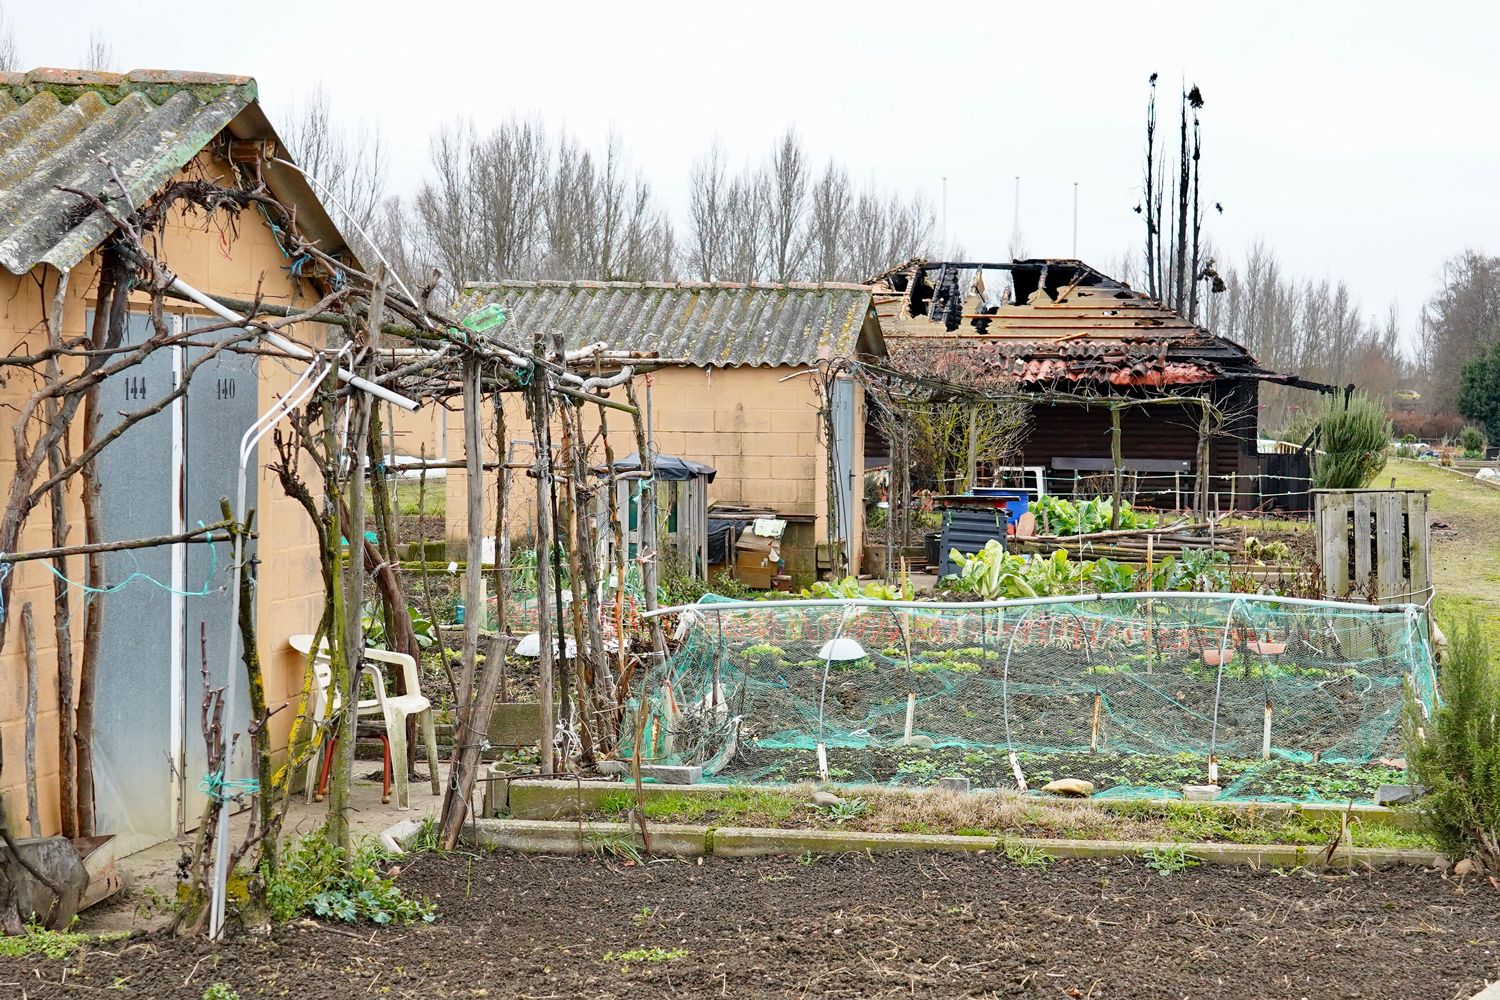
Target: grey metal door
{"type": "Point", "coordinates": [138, 703]}
{"type": "Point", "coordinates": [843, 454]}
{"type": "Point", "coordinates": [221, 405]}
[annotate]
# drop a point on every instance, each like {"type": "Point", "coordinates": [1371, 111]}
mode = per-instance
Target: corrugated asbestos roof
{"type": "Point", "coordinates": [57, 125]}
{"type": "Point", "coordinates": [710, 324]}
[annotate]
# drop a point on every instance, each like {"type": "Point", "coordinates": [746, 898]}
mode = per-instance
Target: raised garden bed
{"type": "Point", "coordinates": [1123, 774]}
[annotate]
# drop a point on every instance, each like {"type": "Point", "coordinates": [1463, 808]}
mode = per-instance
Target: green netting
{"type": "Point", "coordinates": [1128, 691]}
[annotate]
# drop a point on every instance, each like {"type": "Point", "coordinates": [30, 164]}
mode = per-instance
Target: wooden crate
{"type": "Point", "coordinates": [1373, 545]}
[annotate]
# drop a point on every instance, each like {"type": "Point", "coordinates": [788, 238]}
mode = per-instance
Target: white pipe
{"type": "Point", "coordinates": [300, 390]}
{"type": "Point", "coordinates": [294, 349]}
{"type": "Point", "coordinates": [1025, 602]}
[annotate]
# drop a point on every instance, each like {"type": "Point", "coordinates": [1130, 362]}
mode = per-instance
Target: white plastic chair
{"type": "Point", "coordinates": [393, 710]}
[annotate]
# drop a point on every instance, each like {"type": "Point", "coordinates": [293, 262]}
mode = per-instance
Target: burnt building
{"type": "Point", "coordinates": [1079, 345]}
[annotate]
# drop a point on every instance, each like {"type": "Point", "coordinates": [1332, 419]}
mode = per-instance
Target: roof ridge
{"type": "Point", "coordinates": [68, 76]}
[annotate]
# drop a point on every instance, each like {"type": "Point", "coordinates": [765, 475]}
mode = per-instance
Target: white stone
{"type": "Point", "coordinates": [1075, 787]}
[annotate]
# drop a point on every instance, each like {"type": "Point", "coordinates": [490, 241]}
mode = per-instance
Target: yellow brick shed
{"type": "Point", "coordinates": [740, 396]}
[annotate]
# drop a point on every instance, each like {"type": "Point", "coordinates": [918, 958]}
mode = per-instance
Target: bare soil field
{"type": "Point", "coordinates": [853, 926]}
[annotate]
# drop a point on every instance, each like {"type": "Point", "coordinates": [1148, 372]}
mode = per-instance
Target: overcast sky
{"type": "Point", "coordinates": [1359, 140]}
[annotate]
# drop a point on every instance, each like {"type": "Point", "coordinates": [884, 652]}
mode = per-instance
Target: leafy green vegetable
{"type": "Point", "coordinates": [1057, 516]}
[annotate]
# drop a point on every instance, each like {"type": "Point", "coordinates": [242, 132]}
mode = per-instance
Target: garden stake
{"type": "Point", "coordinates": [1094, 729]}
{"type": "Point", "coordinates": [1265, 740]}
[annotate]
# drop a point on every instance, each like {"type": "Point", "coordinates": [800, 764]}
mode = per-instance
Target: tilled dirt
{"type": "Point", "coordinates": [856, 926]}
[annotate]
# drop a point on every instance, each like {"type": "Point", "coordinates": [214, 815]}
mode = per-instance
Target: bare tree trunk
{"type": "Point", "coordinates": [1152, 221]}
{"type": "Point", "coordinates": [567, 531]}
{"type": "Point", "coordinates": [1197, 215]}
{"type": "Point", "coordinates": [28, 635]}
{"type": "Point", "coordinates": [93, 613]}
{"type": "Point", "coordinates": [538, 407]}
{"type": "Point", "coordinates": [61, 605]}
{"type": "Point", "coordinates": [600, 683]}
{"type": "Point", "coordinates": [1204, 432]}
{"type": "Point", "coordinates": [618, 546]}
{"type": "Point", "coordinates": [646, 515]}
{"type": "Point", "coordinates": [502, 533]}
{"type": "Point", "coordinates": [1179, 264]}
{"type": "Point", "coordinates": [260, 716]}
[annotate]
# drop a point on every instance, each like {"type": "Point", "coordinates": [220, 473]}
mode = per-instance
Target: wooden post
{"type": "Point", "coordinates": [1150, 603]}
{"type": "Point", "coordinates": [1265, 742]}
{"type": "Point", "coordinates": [474, 721]}
{"type": "Point", "coordinates": [1116, 451]}
{"type": "Point", "coordinates": [474, 526]}
{"type": "Point", "coordinates": [352, 647]}
{"type": "Point", "coordinates": [1094, 726]}
{"type": "Point", "coordinates": [973, 456]}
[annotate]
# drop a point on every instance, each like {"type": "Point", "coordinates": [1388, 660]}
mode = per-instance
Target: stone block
{"type": "Point", "coordinates": [673, 774]}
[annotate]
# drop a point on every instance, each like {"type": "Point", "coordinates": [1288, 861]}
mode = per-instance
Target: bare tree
{"type": "Point", "coordinates": [749, 231]}
{"type": "Point", "coordinates": [100, 55]}
{"type": "Point", "coordinates": [1311, 328]}
{"type": "Point", "coordinates": [709, 216]}
{"type": "Point", "coordinates": [826, 240]}
{"type": "Point", "coordinates": [348, 161]}
{"type": "Point", "coordinates": [786, 187]}
{"type": "Point", "coordinates": [1462, 320]}
{"type": "Point", "coordinates": [10, 59]}
{"type": "Point", "coordinates": [1174, 261]}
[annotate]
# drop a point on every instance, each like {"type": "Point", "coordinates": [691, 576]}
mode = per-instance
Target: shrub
{"type": "Point", "coordinates": [1352, 439]}
{"type": "Point", "coordinates": [1456, 752]}
{"type": "Point", "coordinates": [1471, 440]}
{"type": "Point", "coordinates": [316, 878]}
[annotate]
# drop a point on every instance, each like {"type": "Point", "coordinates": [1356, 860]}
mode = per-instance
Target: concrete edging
{"type": "Point", "coordinates": [691, 841]}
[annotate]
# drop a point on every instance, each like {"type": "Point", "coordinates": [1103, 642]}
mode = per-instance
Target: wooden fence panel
{"type": "Point", "coordinates": [1373, 545]}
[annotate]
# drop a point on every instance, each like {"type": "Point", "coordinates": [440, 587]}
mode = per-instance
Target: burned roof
{"type": "Point", "coordinates": [1045, 322]}
{"type": "Point", "coordinates": [62, 128]}
{"type": "Point", "coordinates": [713, 324]}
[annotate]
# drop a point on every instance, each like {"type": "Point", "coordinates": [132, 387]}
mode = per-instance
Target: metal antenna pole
{"type": "Point", "coordinates": [944, 239]}
{"type": "Point", "coordinates": [1075, 220]}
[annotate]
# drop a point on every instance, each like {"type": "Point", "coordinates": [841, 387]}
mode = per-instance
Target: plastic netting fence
{"type": "Point", "coordinates": [1290, 699]}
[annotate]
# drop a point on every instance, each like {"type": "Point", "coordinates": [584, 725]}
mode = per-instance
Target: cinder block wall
{"type": "Point", "coordinates": [757, 427]}
{"type": "Point", "coordinates": [290, 593]}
